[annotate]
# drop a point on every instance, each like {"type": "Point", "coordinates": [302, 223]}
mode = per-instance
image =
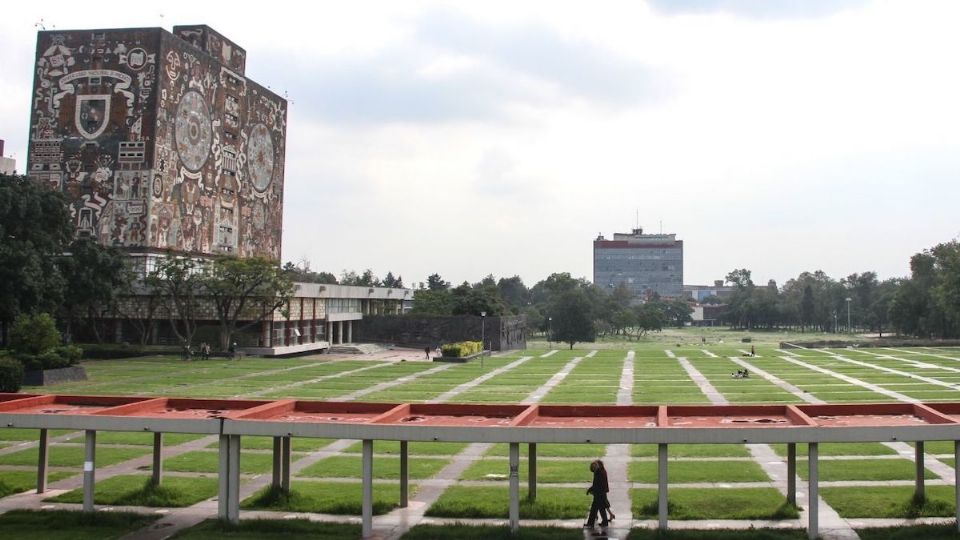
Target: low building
{"type": "Point", "coordinates": [698, 293]}
{"type": "Point", "coordinates": [7, 165]}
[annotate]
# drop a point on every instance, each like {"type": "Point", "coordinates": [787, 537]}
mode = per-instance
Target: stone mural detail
{"type": "Point", "coordinates": [159, 140]}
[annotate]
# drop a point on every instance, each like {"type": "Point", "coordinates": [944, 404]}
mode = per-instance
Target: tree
{"type": "Point", "coordinates": [432, 302]}
{"type": "Point", "coordinates": [392, 282]}
{"type": "Point", "coordinates": [514, 293]}
{"type": "Point", "coordinates": [301, 273]}
{"type": "Point", "coordinates": [247, 290]}
{"type": "Point", "coordinates": [94, 276]}
{"type": "Point", "coordinates": [139, 304]}
{"type": "Point", "coordinates": [572, 318]}
{"type": "Point", "coordinates": [483, 297]}
{"type": "Point", "coordinates": [35, 227]}
{"type": "Point", "coordinates": [436, 283]}
{"type": "Point", "coordinates": [178, 282]}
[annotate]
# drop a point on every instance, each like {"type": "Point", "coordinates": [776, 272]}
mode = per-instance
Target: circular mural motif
{"type": "Point", "coordinates": [260, 157]}
{"type": "Point", "coordinates": [193, 131]}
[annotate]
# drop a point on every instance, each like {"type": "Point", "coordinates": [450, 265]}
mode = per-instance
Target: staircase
{"type": "Point", "coordinates": [355, 348]}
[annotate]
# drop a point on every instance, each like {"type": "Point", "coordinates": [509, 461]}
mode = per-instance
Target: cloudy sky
{"type": "Point", "coordinates": [501, 137]}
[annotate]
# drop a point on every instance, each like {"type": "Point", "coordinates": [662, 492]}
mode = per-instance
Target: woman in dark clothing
{"type": "Point", "coordinates": [599, 490]}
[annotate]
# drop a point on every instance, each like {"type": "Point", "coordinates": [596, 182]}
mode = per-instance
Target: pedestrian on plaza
{"type": "Point", "coordinates": [426, 351]}
{"type": "Point", "coordinates": [598, 489]}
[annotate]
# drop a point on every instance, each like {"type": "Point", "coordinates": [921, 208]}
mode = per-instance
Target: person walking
{"type": "Point", "coordinates": [598, 489]}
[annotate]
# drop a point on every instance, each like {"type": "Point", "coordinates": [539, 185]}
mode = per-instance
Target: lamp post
{"type": "Point", "coordinates": [549, 331]}
{"type": "Point", "coordinates": [483, 318]}
{"type": "Point", "coordinates": [849, 329]}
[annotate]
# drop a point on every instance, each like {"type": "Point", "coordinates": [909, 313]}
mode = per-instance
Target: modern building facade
{"type": "Point", "coordinates": [159, 140]}
{"type": "Point", "coordinates": [646, 263]}
{"type": "Point", "coordinates": [698, 293]}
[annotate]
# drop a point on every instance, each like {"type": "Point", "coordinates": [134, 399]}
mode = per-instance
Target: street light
{"type": "Point", "coordinates": [483, 318]}
{"type": "Point", "coordinates": [849, 330]}
{"type": "Point", "coordinates": [549, 331]}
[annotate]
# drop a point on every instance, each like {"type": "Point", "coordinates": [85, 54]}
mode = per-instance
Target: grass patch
{"type": "Point", "coordinates": [889, 501]}
{"type": "Point", "coordinates": [547, 471]}
{"type": "Point", "coordinates": [721, 534]}
{"type": "Point", "coordinates": [136, 490]}
{"type": "Point", "coordinates": [209, 462]}
{"type": "Point", "coordinates": [19, 481]}
{"type": "Point", "coordinates": [72, 456]}
{"type": "Point", "coordinates": [466, 532]}
{"type": "Point", "coordinates": [699, 471]}
{"type": "Point", "coordinates": [384, 468]}
{"type": "Point", "coordinates": [66, 525]}
{"type": "Point", "coordinates": [325, 498]}
{"type": "Point", "coordinates": [863, 469]}
{"type": "Point", "coordinates": [143, 439]}
{"type": "Point", "coordinates": [744, 503]}
{"type": "Point", "coordinates": [494, 501]}
{"type": "Point", "coordinates": [25, 434]}
{"type": "Point", "coordinates": [297, 444]}
{"type": "Point", "coordinates": [692, 450]}
{"type": "Point", "coordinates": [554, 450]}
{"type": "Point", "coordinates": [839, 449]}
{"type": "Point", "coordinates": [916, 532]}
{"type": "Point", "coordinates": [265, 529]}
{"type": "Point", "coordinates": [415, 448]}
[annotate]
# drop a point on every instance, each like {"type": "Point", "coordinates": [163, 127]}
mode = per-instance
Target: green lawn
{"type": "Point", "coordinates": [255, 529]}
{"type": "Point", "coordinates": [741, 503]}
{"type": "Point", "coordinates": [547, 471]}
{"type": "Point", "coordinates": [384, 468]}
{"type": "Point", "coordinates": [415, 448]}
{"type": "Point", "coordinates": [554, 450]}
{"type": "Point", "coordinates": [916, 532]}
{"type": "Point", "coordinates": [466, 532]}
{"type": "Point", "coordinates": [209, 462]}
{"type": "Point", "coordinates": [494, 502]}
{"type": "Point", "coordinates": [889, 501]}
{"type": "Point", "coordinates": [64, 525]}
{"type": "Point", "coordinates": [680, 472]}
{"type": "Point", "coordinates": [297, 444]}
{"type": "Point", "coordinates": [325, 498]}
{"type": "Point", "coordinates": [19, 481]}
{"type": "Point", "coordinates": [720, 534]}
{"type": "Point", "coordinates": [135, 490]}
{"type": "Point", "coordinates": [72, 456]}
{"type": "Point", "coordinates": [140, 438]}
{"type": "Point", "coordinates": [691, 450]}
{"type": "Point", "coordinates": [839, 449]}
{"type": "Point", "coordinates": [863, 469]}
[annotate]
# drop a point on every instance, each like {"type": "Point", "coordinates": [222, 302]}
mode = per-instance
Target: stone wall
{"type": "Point", "coordinates": [500, 333]}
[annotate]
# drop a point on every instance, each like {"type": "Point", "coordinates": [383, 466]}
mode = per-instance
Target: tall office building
{"type": "Point", "coordinates": [159, 140]}
{"type": "Point", "coordinates": [646, 263]}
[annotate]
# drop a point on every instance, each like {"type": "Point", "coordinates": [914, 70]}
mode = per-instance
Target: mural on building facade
{"type": "Point", "coordinates": [159, 142]}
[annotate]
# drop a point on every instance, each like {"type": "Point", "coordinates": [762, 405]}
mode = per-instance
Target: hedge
{"type": "Point", "coordinates": [11, 375]}
{"type": "Point", "coordinates": [461, 349]}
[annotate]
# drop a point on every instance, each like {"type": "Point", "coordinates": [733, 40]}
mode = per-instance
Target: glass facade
{"type": "Point", "coordinates": [643, 266]}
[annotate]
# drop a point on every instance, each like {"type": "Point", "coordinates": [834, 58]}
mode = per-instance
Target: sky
{"type": "Point", "coordinates": [476, 138]}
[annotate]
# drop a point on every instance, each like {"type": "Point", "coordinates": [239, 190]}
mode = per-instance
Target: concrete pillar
{"type": "Point", "coordinates": [223, 476]}
{"type": "Point", "coordinates": [349, 331]}
{"type": "Point", "coordinates": [42, 461]}
{"type": "Point", "coordinates": [367, 505]}
{"type": "Point", "coordinates": [339, 332]}
{"type": "Point", "coordinates": [285, 464]}
{"type": "Point", "coordinates": [89, 469]}
{"type": "Point", "coordinates": [233, 483]}
{"type": "Point", "coordinates": [157, 472]}
{"type": "Point", "coordinates": [920, 489]}
{"type": "Point", "coordinates": [329, 335]}
{"type": "Point", "coordinates": [277, 464]}
{"type": "Point", "coordinates": [514, 487]}
{"type": "Point", "coordinates": [404, 475]}
{"type": "Point", "coordinates": [792, 473]}
{"type": "Point", "coordinates": [662, 487]}
{"type": "Point", "coordinates": [813, 491]}
{"type": "Point", "coordinates": [265, 337]}
{"type": "Point", "coordinates": [532, 471]}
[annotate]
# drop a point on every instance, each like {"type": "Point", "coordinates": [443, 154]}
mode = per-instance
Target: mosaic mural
{"type": "Point", "coordinates": [159, 140]}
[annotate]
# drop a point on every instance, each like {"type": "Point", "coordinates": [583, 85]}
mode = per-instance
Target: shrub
{"type": "Point", "coordinates": [11, 375]}
{"type": "Point", "coordinates": [461, 349]}
{"type": "Point", "coordinates": [33, 334]}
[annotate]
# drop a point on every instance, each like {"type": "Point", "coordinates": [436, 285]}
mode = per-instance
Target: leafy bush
{"type": "Point", "coordinates": [461, 349]}
{"type": "Point", "coordinates": [11, 375]}
{"type": "Point", "coordinates": [33, 334]}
